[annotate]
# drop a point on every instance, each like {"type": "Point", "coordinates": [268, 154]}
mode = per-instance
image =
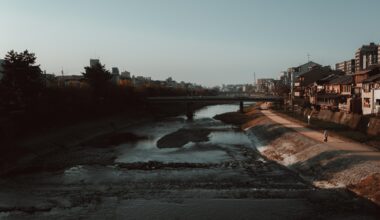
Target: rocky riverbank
{"type": "Point", "coordinates": [23, 154]}
{"type": "Point", "coordinates": [314, 160]}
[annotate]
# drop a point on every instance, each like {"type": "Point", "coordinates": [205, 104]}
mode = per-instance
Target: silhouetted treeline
{"type": "Point", "coordinates": [27, 104]}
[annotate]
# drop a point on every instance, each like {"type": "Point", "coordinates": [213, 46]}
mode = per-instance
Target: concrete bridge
{"type": "Point", "coordinates": [189, 100]}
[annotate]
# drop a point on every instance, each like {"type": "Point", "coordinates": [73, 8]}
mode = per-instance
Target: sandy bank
{"type": "Point", "coordinates": [317, 162]}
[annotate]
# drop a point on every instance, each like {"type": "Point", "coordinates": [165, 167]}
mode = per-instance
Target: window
{"type": "Point", "coordinates": [346, 88]}
{"type": "Point", "coordinates": [377, 101]}
{"type": "Point", "coordinates": [366, 88]}
{"type": "Point", "coordinates": [367, 103]}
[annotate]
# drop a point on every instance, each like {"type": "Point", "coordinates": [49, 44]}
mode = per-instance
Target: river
{"type": "Point", "coordinates": [200, 169]}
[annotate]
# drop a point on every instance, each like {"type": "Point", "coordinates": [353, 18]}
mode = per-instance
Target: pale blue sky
{"type": "Point", "coordinates": [204, 41]}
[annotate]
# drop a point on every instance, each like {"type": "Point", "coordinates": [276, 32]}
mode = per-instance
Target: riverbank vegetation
{"type": "Point", "coordinates": [28, 104]}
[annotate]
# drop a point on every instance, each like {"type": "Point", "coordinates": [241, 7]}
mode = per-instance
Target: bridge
{"type": "Point", "coordinates": [214, 99]}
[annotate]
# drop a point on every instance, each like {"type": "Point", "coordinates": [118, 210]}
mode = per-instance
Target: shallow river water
{"type": "Point", "coordinates": [213, 174]}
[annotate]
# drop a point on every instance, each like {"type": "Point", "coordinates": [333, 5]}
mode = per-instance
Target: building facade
{"type": "Point", "coordinates": [94, 62]}
{"type": "Point", "coordinates": [366, 56]}
{"type": "Point", "coordinates": [347, 66]}
{"type": "Point", "coordinates": [371, 95]}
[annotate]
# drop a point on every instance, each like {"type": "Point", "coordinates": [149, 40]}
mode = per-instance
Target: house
{"type": "Point", "coordinates": [337, 94]}
{"type": "Point", "coordinates": [306, 80]}
{"type": "Point", "coordinates": [371, 95]}
{"type": "Point", "coordinates": [360, 76]}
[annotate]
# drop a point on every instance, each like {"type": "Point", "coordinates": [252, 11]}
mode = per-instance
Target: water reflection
{"type": "Point", "coordinates": [210, 151]}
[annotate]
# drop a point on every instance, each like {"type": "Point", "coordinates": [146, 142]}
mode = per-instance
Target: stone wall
{"type": "Point", "coordinates": [374, 126]}
{"type": "Point", "coordinates": [354, 121]}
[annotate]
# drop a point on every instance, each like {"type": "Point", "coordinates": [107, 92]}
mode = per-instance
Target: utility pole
{"type": "Point", "coordinates": [308, 57]}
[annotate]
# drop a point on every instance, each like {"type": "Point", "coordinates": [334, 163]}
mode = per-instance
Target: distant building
{"type": "Point", "coordinates": [285, 78]}
{"type": "Point", "coordinates": [76, 81]}
{"type": "Point", "coordinates": [115, 75]}
{"type": "Point", "coordinates": [140, 80]}
{"type": "Point", "coordinates": [347, 66]}
{"type": "Point", "coordinates": [366, 56]}
{"type": "Point", "coordinates": [115, 71]}
{"type": "Point", "coordinates": [94, 62]}
{"type": "Point", "coordinates": [233, 89]}
{"type": "Point", "coordinates": [125, 75]}
{"type": "Point", "coordinates": [125, 79]}
{"type": "Point", "coordinates": [265, 85]}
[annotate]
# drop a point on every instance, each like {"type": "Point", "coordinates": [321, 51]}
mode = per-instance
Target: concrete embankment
{"type": "Point", "coordinates": [323, 165]}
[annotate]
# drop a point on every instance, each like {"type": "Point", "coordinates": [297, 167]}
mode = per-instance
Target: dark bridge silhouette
{"type": "Point", "coordinates": [189, 100]}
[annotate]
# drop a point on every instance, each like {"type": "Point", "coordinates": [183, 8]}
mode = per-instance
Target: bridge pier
{"type": "Point", "coordinates": [241, 107]}
{"type": "Point", "coordinates": [189, 111]}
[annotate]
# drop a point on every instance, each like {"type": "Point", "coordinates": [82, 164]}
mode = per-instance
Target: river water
{"type": "Point", "coordinates": [214, 173]}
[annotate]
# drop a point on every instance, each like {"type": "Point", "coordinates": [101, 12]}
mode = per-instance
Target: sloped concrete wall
{"type": "Point", "coordinates": [374, 126]}
{"type": "Point", "coordinates": [351, 120]}
{"type": "Point", "coordinates": [337, 117]}
{"type": "Point", "coordinates": [354, 121]}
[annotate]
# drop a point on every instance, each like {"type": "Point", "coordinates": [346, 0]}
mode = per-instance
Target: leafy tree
{"type": "Point", "coordinates": [22, 80]}
{"type": "Point", "coordinates": [98, 78]}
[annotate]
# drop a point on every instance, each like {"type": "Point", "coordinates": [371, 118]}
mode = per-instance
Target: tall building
{"type": "Point", "coordinates": [115, 71]}
{"type": "Point", "coordinates": [347, 66]}
{"type": "Point", "coordinates": [366, 56]}
{"type": "Point", "coordinates": [94, 62]}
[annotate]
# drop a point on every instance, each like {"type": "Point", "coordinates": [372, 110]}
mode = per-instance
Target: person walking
{"type": "Point", "coordinates": [326, 135]}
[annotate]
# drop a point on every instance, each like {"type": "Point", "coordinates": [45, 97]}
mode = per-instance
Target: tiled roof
{"type": "Point", "coordinates": [327, 79]}
{"type": "Point", "coordinates": [372, 78]}
{"type": "Point", "coordinates": [345, 80]}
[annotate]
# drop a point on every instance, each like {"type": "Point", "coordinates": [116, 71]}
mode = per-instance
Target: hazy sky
{"type": "Point", "coordinates": [204, 41]}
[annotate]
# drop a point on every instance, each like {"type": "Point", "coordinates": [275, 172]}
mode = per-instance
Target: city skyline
{"type": "Point", "coordinates": [210, 43]}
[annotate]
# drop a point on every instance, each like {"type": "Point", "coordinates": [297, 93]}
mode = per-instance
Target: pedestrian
{"type": "Point", "coordinates": [326, 135]}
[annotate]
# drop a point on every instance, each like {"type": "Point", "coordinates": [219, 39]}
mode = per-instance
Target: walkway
{"type": "Point", "coordinates": [334, 142]}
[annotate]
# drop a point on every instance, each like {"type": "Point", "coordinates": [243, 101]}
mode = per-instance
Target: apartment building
{"type": "Point", "coordinates": [347, 66]}
{"type": "Point", "coordinates": [366, 56]}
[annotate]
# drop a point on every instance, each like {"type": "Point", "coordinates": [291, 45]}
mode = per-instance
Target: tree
{"type": "Point", "coordinates": [98, 78]}
{"type": "Point", "coordinates": [22, 80]}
